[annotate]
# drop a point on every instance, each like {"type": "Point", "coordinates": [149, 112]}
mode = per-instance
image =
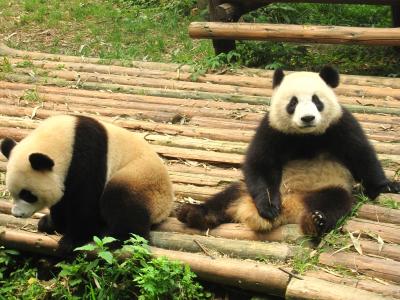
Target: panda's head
{"type": "Point", "coordinates": [30, 178]}
{"type": "Point", "coordinates": [304, 102]}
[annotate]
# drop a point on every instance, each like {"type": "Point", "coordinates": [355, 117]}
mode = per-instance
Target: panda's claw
{"type": "Point", "coordinates": [319, 220]}
{"type": "Point", "coordinates": [391, 187]}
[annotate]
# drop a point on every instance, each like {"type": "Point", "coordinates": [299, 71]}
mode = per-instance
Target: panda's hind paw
{"type": "Point", "coordinates": [319, 220]}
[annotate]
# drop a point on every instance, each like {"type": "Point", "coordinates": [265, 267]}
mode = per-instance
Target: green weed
{"type": "Point", "coordinates": [387, 202]}
{"type": "Point", "coordinates": [31, 96]}
{"type": "Point", "coordinates": [5, 65]}
{"type": "Point", "coordinates": [138, 275]}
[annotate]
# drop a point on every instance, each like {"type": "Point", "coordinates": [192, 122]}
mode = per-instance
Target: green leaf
{"type": "Point", "coordinates": [108, 239]}
{"type": "Point", "coordinates": [88, 247]}
{"type": "Point", "coordinates": [107, 256]}
{"type": "Point", "coordinates": [98, 241]}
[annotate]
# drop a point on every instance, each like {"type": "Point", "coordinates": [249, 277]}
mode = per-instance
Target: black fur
{"type": "Point", "coordinates": [6, 146]}
{"type": "Point", "coordinates": [41, 162]}
{"type": "Point", "coordinates": [211, 213]}
{"type": "Point", "coordinates": [270, 150]}
{"type": "Point", "coordinates": [278, 77]}
{"type": "Point", "coordinates": [77, 214]}
{"type": "Point", "coordinates": [330, 76]}
{"type": "Point", "coordinates": [326, 207]}
{"type": "Point", "coordinates": [124, 212]}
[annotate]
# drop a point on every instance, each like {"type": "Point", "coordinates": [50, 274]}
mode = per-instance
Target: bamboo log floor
{"type": "Point", "coordinates": [201, 129]}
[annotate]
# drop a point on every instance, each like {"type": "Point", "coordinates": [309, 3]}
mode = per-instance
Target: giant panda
{"type": "Point", "coordinates": [96, 178]}
{"type": "Point", "coordinates": [301, 164]}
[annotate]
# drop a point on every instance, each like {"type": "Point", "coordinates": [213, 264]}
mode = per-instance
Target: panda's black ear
{"type": "Point", "coordinates": [41, 162]}
{"type": "Point", "coordinates": [278, 77]}
{"type": "Point", "coordinates": [7, 145]}
{"type": "Point", "coordinates": [330, 75]}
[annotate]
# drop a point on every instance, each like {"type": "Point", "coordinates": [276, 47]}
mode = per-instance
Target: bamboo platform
{"type": "Point", "coordinates": [201, 129]}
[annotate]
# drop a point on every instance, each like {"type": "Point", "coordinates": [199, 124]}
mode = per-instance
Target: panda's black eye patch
{"type": "Point", "coordinates": [291, 107]}
{"type": "Point", "coordinates": [27, 196]}
{"type": "Point", "coordinates": [318, 103]}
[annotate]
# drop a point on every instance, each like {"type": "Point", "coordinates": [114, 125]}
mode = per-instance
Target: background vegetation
{"type": "Point", "coordinates": [156, 30]}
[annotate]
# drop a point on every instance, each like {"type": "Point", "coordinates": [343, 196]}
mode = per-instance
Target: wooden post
{"type": "Point", "coordinates": [220, 46]}
{"type": "Point", "coordinates": [396, 18]}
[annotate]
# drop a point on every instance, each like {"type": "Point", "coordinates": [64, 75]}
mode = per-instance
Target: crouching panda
{"type": "Point", "coordinates": [96, 178]}
{"type": "Point", "coordinates": [301, 164]}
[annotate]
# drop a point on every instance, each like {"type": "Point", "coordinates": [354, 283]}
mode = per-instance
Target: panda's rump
{"type": "Point", "coordinates": [146, 182]}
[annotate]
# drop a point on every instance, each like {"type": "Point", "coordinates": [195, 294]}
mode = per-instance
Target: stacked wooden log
{"type": "Point", "coordinates": [201, 129]}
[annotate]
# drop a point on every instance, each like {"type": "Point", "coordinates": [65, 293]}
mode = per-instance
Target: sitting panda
{"type": "Point", "coordinates": [301, 164]}
{"type": "Point", "coordinates": [96, 178]}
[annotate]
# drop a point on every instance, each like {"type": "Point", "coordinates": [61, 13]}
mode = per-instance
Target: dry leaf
{"type": "Point", "coordinates": [356, 243]}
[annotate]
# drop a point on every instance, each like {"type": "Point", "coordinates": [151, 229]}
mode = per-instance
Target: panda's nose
{"type": "Point", "coordinates": [308, 119]}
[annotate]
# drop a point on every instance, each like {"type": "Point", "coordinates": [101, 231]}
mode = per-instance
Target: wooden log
{"type": "Point", "coordinates": [386, 269]}
{"type": "Point", "coordinates": [248, 275]}
{"type": "Point", "coordinates": [317, 289]}
{"type": "Point", "coordinates": [296, 33]}
{"type": "Point", "coordinates": [222, 246]}
{"type": "Point", "coordinates": [266, 2]}
{"type": "Point", "coordinates": [290, 232]}
{"type": "Point", "coordinates": [386, 250]}
{"type": "Point", "coordinates": [388, 232]}
{"type": "Point", "coordinates": [4, 50]}
{"type": "Point", "coordinates": [385, 289]}
{"type": "Point", "coordinates": [379, 214]}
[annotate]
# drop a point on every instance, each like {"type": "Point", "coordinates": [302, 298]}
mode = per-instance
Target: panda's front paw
{"type": "Point", "coordinates": [46, 225]}
{"type": "Point", "coordinates": [391, 187]}
{"type": "Point", "coordinates": [268, 209]}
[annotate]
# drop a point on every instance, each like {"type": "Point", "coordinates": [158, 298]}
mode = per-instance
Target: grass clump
{"type": "Point", "coordinates": [98, 273]}
{"type": "Point", "coordinates": [157, 30]}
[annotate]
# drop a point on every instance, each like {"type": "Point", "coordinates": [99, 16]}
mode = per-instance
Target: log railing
{"type": "Point", "coordinates": [229, 11]}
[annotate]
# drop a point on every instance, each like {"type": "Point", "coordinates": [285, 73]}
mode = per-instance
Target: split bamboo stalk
{"type": "Point", "coordinates": [388, 232]}
{"type": "Point", "coordinates": [296, 33]}
{"type": "Point", "coordinates": [386, 269]}
{"type": "Point", "coordinates": [382, 287]}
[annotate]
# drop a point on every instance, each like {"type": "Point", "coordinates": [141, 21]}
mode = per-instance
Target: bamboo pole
{"type": "Point", "coordinates": [386, 269]}
{"type": "Point", "coordinates": [387, 250]}
{"type": "Point", "coordinates": [296, 33]}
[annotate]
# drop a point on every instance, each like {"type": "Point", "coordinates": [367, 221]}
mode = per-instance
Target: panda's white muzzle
{"type": "Point", "coordinates": [22, 209]}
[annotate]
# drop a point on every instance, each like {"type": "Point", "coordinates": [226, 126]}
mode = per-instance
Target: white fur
{"type": "Point", "coordinates": [48, 186]}
{"type": "Point", "coordinates": [303, 85]}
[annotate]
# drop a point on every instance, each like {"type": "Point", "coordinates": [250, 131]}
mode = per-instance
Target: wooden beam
{"type": "Point", "coordinates": [296, 33]}
{"type": "Point", "coordinates": [259, 3]}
